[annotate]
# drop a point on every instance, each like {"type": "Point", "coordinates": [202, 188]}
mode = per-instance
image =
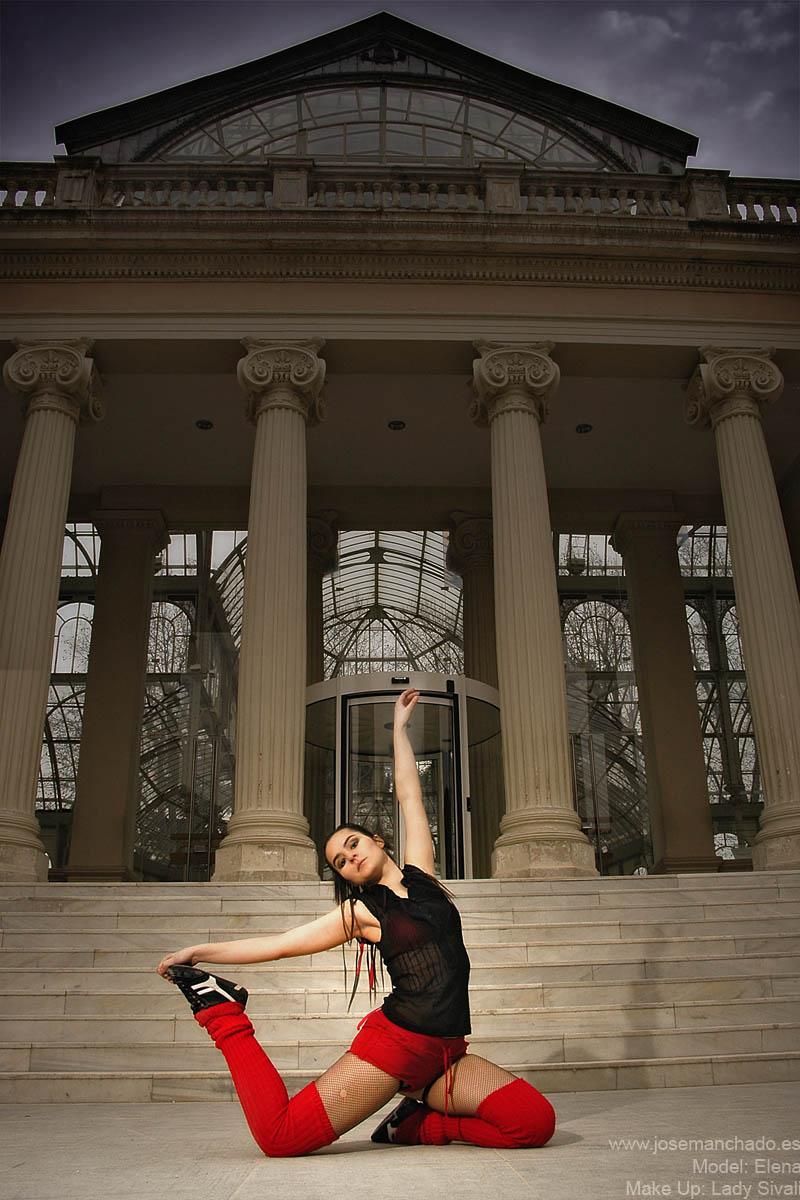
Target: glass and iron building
{"type": "Point", "coordinates": [378, 362]}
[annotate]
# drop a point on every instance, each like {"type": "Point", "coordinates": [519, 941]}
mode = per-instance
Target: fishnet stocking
{"type": "Point", "coordinates": [471, 1080]}
{"type": "Point", "coordinates": [351, 1090]}
{"type": "Point", "coordinates": [486, 1106]}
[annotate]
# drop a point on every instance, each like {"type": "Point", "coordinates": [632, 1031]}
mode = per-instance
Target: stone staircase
{"type": "Point", "coordinates": [595, 984]}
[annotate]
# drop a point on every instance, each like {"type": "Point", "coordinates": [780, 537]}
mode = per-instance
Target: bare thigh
{"type": "Point", "coordinates": [470, 1081]}
{"type": "Point", "coordinates": [351, 1090]}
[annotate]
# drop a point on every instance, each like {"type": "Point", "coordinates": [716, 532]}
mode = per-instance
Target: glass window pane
{"type": "Point", "coordinates": [402, 140]}
{"type": "Point", "coordinates": [323, 141]}
{"type": "Point", "coordinates": [363, 139]}
{"type": "Point", "coordinates": [484, 119]}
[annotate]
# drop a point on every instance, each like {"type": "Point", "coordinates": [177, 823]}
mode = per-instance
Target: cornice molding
{"type": "Point", "coordinates": [312, 266]}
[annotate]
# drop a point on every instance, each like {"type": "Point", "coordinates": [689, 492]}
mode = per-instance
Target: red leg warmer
{"type": "Point", "coordinates": [281, 1127]}
{"type": "Point", "coordinates": [515, 1116]}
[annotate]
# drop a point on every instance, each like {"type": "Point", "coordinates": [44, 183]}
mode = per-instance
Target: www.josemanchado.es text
{"type": "Point", "coordinates": [725, 1145]}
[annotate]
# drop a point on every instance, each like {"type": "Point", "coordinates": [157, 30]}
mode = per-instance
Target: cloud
{"type": "Point", "coordinates": [649, 33]}
{"type": "Point", "coordinates": [758, 105]}
{"type": "Point", "coordinates": [756, 32]}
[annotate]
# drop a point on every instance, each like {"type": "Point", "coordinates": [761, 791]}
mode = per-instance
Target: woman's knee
{"type": "Point", "coordinates": [525, 1116]}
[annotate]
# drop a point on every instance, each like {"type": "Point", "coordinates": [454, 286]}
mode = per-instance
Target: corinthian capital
{"type": "Point", "coordinates": [283, 375]}
{"type": "Point", "coordinates": [513, 378]}
{"type": "Point", "coordinates": [59, 376]}
{"type": "Point", "coordinates": [730, 383]}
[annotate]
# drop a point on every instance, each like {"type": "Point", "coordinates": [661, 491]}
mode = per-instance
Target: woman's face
{"type": "Point", "coordinates": [356, 856]}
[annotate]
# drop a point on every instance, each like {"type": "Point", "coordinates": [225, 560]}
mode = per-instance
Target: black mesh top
{"type": "Point", "coordinates": [423, 949]}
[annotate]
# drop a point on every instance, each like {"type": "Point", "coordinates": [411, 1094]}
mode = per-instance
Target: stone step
{"type": "Point", "coordinates": [654, 981]}
{"type": "Point", "coordinates": [480, 906]}
{"type": "Point", "coordinates": [636, 1014]}
{"type": "Point", "coordinates": [480, 928]}
{"type": "Point", "coordinates": [297, 1001]}
{"type": "Point", "coordinates": [552, 1078]}
{"type": "Point", "coordinates": [501, 957]}
{"type": "Point", "coordinates": [282, 976]}
{"type": "Point", "coordinates": [200, 1054]}
{"type": "Point", "coordinates": [103, 950]}
{"type": "Point", "coordinates": [461, 888]}
{"type": "Point", "coordinates": [21, 931]}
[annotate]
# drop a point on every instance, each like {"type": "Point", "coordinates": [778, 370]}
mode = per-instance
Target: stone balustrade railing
{"type": "Point", "coordinates": [768, 200]}
{"type": "Point", "coordinates": [502, 188]}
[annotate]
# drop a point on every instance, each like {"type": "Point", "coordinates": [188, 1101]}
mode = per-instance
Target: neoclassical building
{"type": "Point", "coordinates": [377, 360]}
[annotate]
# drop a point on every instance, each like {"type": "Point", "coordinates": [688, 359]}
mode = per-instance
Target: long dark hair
{"type": "Point", "coordinates": [346, 895]}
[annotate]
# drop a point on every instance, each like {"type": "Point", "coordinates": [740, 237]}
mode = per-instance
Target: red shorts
{"type": "Point", "coordinates": [414, 1058]}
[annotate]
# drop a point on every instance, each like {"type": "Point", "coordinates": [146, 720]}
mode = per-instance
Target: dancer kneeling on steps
{"type": "Point", "coordinates": [414, 1044]}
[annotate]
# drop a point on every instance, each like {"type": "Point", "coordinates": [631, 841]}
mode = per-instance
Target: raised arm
{"type": "Point", "coordinates": [322, 934]}
{"type": "Point", "coordinates": [419, 847]}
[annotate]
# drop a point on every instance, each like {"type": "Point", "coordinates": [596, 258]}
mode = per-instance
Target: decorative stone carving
{"type": "Point", "coordinates": [731, 383]}
{"type": "Point", "coordinates": [708, 198]}
{"type": "Point", "coordinates": [488, 267]}
{"type": "Point", "coordinates": [56, 376]}
{"type": "Point", "coordinates": [470, 546]}
{"type": "Point", "coordinates": [384, 54]}
{"type": "Point", "coordinates": [323, 541]}
{"type": "Point", "coordinates": [509, 378]}
{"type": "Point", "coordinates": [283, 375]}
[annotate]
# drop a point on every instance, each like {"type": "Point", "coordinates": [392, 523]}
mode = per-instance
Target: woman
{"type": "Point", "coordinates": [414, 1044]}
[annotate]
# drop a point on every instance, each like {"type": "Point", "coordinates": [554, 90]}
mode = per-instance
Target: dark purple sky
{"type": "Point", "coordinates": [726, 70]}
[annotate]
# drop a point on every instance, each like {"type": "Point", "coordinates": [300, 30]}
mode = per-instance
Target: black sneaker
{"type": "Point", "coordinates": [387, 1130]}
{"type": "Point", "coordinates": [203, 990]}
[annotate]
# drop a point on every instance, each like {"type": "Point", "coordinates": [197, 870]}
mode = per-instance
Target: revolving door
{"type": "Point", "coordinates": [349, 772]}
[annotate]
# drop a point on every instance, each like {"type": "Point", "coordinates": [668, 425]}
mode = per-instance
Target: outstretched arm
{"type": "Point", "coordinates": [322, 934]}
{"type": "Point", "coordinates": [419, 847]}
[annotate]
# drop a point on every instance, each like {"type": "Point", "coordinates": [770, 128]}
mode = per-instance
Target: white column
{"type": "Point", "coordinates": [322, 556]}
{"type": "Point", "coordinates": [107, 793]}
{"type": "Point", "coordinates": [728, 392]}
{"type": "Point", "coordinates": [268, 835]}
{"type": "Point", "coordinates": [677, 787]}
{"type": "Point", "coordinates": [61, 387]}
{"type": "Point", "coordinates": [540, 834]}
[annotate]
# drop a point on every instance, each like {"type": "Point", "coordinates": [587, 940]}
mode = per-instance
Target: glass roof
{"type": "Point", "coordinates": [383, 124]}
{"type": "Point", "coordinates": [392, 604]}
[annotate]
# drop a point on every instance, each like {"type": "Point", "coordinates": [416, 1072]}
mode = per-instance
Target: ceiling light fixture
{"type": "Point", "coordinates": [396, 425]}
{"type": "Point", "coordinates": [204, 424]}
{"type": "Point", "coordinates": [583, 428]}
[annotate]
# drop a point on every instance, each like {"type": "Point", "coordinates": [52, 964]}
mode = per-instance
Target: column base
{"type": "Point", "coordinates": [23, 858]}
{"type": "Point", "coordinates": [263, 846]}
{"type": "Point", "coordinates": [542, 845]}
{"type": "Point", "coordinates": [689, 865]}
{"type": "Point", "coordinates": [776, 846]}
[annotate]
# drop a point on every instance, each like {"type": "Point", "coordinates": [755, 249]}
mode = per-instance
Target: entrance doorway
{"type": "Point", "coordinates": [349, 774]}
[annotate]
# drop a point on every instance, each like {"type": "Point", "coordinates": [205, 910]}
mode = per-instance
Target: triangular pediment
{"type": "Point", "coordinates": [380, 90]}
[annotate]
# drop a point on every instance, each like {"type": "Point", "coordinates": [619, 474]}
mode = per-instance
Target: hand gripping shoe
{"type": "Point", "coordinates": [387, 1130]}
{"type": "Point", "coordinates": [203, 990]}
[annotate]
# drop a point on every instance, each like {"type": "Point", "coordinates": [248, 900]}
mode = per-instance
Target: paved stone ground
{"type": "Point", "coordinates": [751, 1149]}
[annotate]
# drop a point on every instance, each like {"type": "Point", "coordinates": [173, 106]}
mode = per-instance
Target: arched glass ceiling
{"type": "Point", "coordinates": [383, 124]}
{"type": "Point", "coordinates": [392, 605]}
